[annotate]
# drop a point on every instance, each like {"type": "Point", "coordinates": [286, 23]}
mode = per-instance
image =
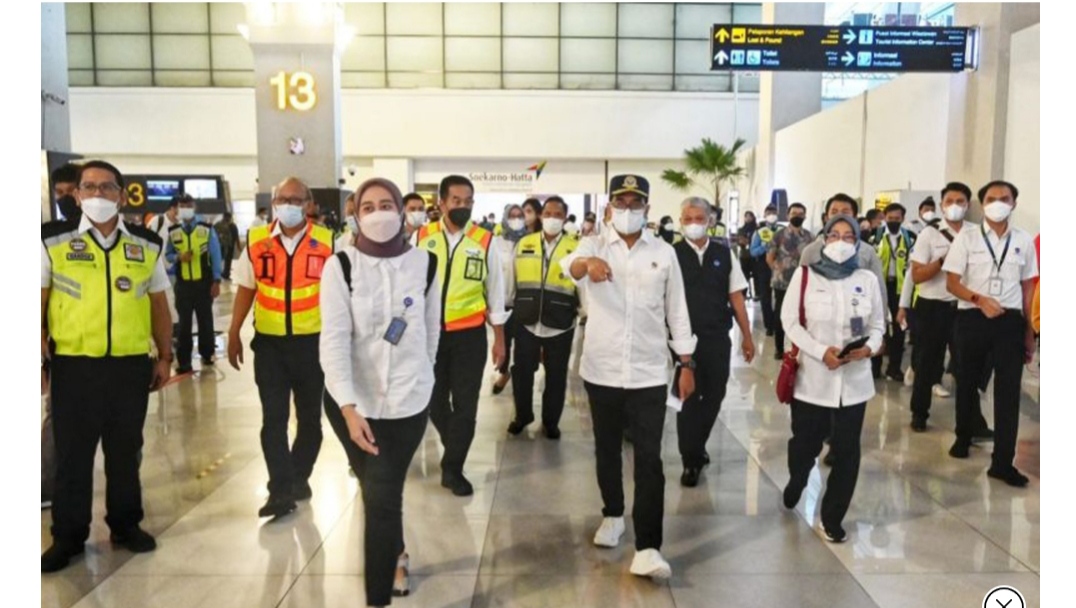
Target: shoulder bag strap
{"type": "Point", "coordinates": [345, 267]}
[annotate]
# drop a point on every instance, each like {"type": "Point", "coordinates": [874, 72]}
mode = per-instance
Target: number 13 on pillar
{"type": "Point", "coordinates": [295, 91]}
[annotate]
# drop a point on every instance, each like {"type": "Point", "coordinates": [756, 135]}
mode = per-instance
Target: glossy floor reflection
{"type": "Point", "coordinates": [924, 529]}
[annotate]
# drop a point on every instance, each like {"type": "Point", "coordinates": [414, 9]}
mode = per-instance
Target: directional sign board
{"type": "Point", "coordinates": [820, 48]}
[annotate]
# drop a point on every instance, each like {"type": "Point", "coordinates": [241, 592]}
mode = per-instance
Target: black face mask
{"type": "Point", "coordinates": [460, 216]}
{"type": "Point", "coordinates": [796, 221]}
{"type": "Point", "coordinates": [69, 208]}
{"type": "Point", "coordinates": [894, 227]}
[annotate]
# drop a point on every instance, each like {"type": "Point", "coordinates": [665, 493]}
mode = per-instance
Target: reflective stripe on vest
{"type": "Point", "coordinates": [463, 283]}
{"type": "Point", "coordinates": [535, 292]}
{"type": "Point", "coordinates": [99, 302]}
{"type": "Point", "coordinates": [289, 286]}
{"type": "Point", "coordinates": [885, 252]}
{"type": "Point", "coordinates": [197, 242]}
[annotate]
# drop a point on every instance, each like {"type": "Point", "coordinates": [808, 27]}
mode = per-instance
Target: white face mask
{"type": "Point", "coordinates": [997, 211]}
{"type": "Point", "coordinates": [929, 216]}
{"type": "Point", "coordinates": [186, 213]}
{"type": "Point", "coordinates": [694, 232]}
{"type": "Point", "coordinates": [352, 224]}
{"type": "Point", "coordinates": [626, 221]}
{"type": "Point", "coordinates": [416, 218]}
{"type": "Point", "coordinates": [290, 216]}
{"type": "Point", "coordinates": [552, 225]}
{"type": "Point", "coordinates": [839, 251]}
{"type": "Point", "coordinates": [100, 210]}
{"type": "Point", "coordinates": [571, 228]}
{"type": "Point", "coordinates": [380, 226]}
{"type": "Point", "coordinates": [515, 224]}
{"type": "Point", "coordinates": [954, 213]}
{"type": "Point", "coordinates": [771, 219]}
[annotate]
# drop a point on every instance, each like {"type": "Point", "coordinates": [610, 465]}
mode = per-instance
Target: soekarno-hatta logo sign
{"type": "Point", "coordinates": [522, 181]}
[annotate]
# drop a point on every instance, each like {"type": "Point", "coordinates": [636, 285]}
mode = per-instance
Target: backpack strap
{"type": "Point", "coordinates": [431, 270]}
{"type": "Point", "coordinates": [345, 267]}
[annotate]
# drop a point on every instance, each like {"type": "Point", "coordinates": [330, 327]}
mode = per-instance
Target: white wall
{"type": "Point", "coordinates": [1022, 142]}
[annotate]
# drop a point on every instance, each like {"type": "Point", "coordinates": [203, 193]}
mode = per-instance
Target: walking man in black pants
{"type": "Point", "coordinates": [714, 286]}
{"type": "Point", "coordinates": [894, 243]}
{"type": "Point", "coordinates": [783, 258]}
{"type": "Point", "coordinates": [194, 248]}
{"type": "Point", "coordinates": [760, 244]}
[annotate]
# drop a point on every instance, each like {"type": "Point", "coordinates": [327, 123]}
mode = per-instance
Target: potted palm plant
{"type": "Point", "coordinates": [709, 166]}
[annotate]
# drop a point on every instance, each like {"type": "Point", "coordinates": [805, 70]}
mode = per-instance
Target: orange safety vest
{"type": "Point", "coordinates": [289, 286]}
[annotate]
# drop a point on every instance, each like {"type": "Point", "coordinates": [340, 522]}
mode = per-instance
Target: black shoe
{"type": "Point", "coordinates": [277, 506]}
{"type": "Point", "coordinates": [705, 459]}
{"type": "Point", "coordinates": [830, 459]}
{"type": "Point", "coordinates": [1010, 476]}
{"type": "Point", "coordinates": [895, 375]}
{"type": "Point", "coordinates": [302, 491]}
{"type": "Point", "coordinates": [552, 432]}
{"type": "Point", "coordinates": [690, 478]}
{"type": "Point", "coordinates": [835, 534]}
{"type": "Point", "coordinates": [983, 434]}
{"type": "Point", "coordinates": [457, 483]}
{"type": "Point", "coordinates": [919, 425]}
{"type": "Point", "coordinates": [516, 426]}
{"type": "Point", "coordinates": [208, 360]}
{"type": "Point", "coordinates": [184, 369]}
{"type": "Point", "coordinates": [769, 332]}
{"type": "Point", "coordinates": [791, 496]}
{"type": "Point", "coordinates": [136, 540]}
{"type": "Point", "coordinates": [59, 555]}
{"type": "Point", "coordinates": [960, 448]}
{"type": "Point", "coordinates": [498, 386]}
{"type": "Point", "coordinates": [627, 436]}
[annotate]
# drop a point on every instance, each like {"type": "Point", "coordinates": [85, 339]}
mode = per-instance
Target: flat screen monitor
{"type": "Point", "coordinates": [200, 188]}
{"type": "Point", "coordinates": [161, 189]}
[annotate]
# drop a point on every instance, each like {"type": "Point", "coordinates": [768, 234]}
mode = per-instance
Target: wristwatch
{"type": "Point", "coordinates": [690, 364]}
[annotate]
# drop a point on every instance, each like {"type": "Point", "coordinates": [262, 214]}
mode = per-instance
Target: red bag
{"type": "Point", "coordinates": [790, 365]}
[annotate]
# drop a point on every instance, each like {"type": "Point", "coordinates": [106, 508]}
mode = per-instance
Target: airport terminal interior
{"type": "Point", "coordinates": [219, 105]}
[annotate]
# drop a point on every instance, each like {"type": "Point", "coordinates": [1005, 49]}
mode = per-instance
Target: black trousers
{"type": "Point", "coordinates": [644, 410]}
{"type": "Point", "coordinates": [934, 327]}
{"type": "Point", "coordinates": [529, 348]}
{"type": "Point", "coordinates": [763, 276]}
{"type": "Point", "coordinates": [811, 424]}
{"type": "Point", "coordinates": [381, 479]}
{"type": "Point", "coordinates": [227, 253]}
{"type": "Point", "coordinates": [461, 357]}
{"type": "Point", "coordinates": [779, 327]}
{"type": "Point", "coordinates": [193, 298]}
{"type": "Point", "coordinates": [97, 399]}
{"type": "Point", "coordinates": [894, 340]}
{"type": "Point", "coordinates": [696, 420]}
{"type": "Point", "coordinates": [1000, 343]}
{"type": "Point", "coordinates": [283, 366]}
{"type": "Point", "coordinates": [339, 426]}
{"type": "Point", "coordinates": [511, 331]}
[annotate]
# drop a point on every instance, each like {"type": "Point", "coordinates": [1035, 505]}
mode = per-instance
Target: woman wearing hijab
{"type": "Point", "coordinates": [513, 228]}
{"type": "Point", "coordinates": [844, 323]}
{"type": "Point", "coordinates": [380, 330]}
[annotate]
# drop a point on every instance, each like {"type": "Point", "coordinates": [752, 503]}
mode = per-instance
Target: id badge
{"type": "Point", "coordinates": [995, 286]}
{"type": "Point", "coordinates": [857, 326]}
{"type": "Point", "coordinates": [395, 331]}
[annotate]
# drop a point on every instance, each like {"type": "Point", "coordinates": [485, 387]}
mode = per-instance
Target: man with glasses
{"type": "Point", "coordinates": [194, 248]}
{"type": "Point", "coordinates": [280, 276]}
{"type": "Point", "coordinates": [102, 301]}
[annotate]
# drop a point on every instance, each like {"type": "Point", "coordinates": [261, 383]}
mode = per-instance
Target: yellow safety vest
{"type": "Point", "coordinates": [885, 252]}
{"type": "Point", "coordinates": [766, 234]}
{"type": "Point", "coordinates": [719, 231]}
{"type": "Point", "coordinates": [197, 242]}
{"type": "Point", "coordinates": [99, 303]}
{"type": "Point", "coordinates": [289, 286]}
{"type": "Point", "coordinates": [549, 297]}
{"type": "Point", "coordinates": [462, 273]}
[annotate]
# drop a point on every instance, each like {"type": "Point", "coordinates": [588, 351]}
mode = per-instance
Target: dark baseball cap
{"type": "Point", "coordinates": [629, 184]}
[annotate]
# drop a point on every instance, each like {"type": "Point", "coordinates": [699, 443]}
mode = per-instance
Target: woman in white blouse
{"type": "Point", "coordinates": [379, 336]}
{"type": "Point", "coordinates": [842, 304]}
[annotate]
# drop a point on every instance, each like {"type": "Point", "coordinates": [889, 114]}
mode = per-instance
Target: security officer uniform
{"type": "Point", "coordinates": [763, 275]}
{"type": "Point", "coordinates": [194, 280]}
{"type": "Point", "coordinates": [894, 258]}
{"type": "Point", "coordinates": [546, 306]}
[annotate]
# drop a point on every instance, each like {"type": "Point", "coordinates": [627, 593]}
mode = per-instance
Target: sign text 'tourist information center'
{"type": "Point", "coordinates": [820, 48]}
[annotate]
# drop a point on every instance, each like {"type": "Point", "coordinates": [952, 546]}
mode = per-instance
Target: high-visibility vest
{"type": "Point", "coordinates": [462, 273]}
{"type": "Point", "coordinates": [766, 234]}
{"type": "Point", "coordinates": [549, 297]}
{"type": "Point", "coordinates": [718, 230]}
{"type": "Point", "coordinates": [99, 303]}
{"type": "Point", "coordinates": [197, 242]}
{"type": "Point", "coordinates": [289, 286]}
{"type": "Point", "coordinates": [886, 253]}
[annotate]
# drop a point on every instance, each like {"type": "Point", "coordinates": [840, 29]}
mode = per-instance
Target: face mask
{"type": "Point", "coordinates": [839, 251]}
{"type": "Point", "coordinates": [571, 228]}
{"type": "Point", "coordinates": [380, 226]}
{"type": "Point", "coordinates": [352, 224]}
{"type": "Point", "coordinates": [626, 221]}
{"type": "Point", "coordinates": [929, 216]}
{"type": "Point", "coordinates": [416, 218]}
{"type": "Point", "coordinates": [68, 207]}
{"type": "Point", "coordinates": [796, 221]}
{"type": "Point", "coordinates": [996, 211]}
{"type": "Point", "coordinates": [894, 227]}
{"type": "Point", "coordinates": [954, 213]}
{"type": "Point", "coordinates": [667, 225]}
{"type": "Point", "coordinates": [552, 225]}
{"type": "Point", "coordinates": [771, 219]}
{"type": "Point", "coordinates": [100, 210]}
{"type": "Point", "coordinates": [460, 216]}
{"type": "Point", "coordinates": [290, 216]}
{"type": "Point", "coordinates": [515, 224]}
{"type": "Point", "coordinates": [694, 232]}
{"type": "Point", "coordinates": [186, 214]}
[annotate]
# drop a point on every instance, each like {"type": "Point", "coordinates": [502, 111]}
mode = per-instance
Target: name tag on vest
{"type": "Point", "coordinates": [134, 253]}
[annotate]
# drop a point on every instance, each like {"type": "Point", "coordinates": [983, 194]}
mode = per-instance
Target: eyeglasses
{"type": "Point", "coordinates": [296, 201]}
{"type": "Point", "coordinates": [847, 238]}
{"type": "Point", "coordinates": [107, 189]}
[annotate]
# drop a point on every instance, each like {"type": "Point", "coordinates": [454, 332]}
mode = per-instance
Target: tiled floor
{"type": "Point", "coordinates": [925, 530]}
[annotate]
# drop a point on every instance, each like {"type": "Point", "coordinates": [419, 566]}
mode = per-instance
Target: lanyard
{"type": "Point", "coordinates": [1008, 241]}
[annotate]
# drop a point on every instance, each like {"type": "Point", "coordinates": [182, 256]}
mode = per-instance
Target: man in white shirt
{"type": "Point", "coordinates": [992, 271]}
{"type": "Point", "coordinates": [927, 214]}
{"type": "Point", "coordinates": [635, 301]}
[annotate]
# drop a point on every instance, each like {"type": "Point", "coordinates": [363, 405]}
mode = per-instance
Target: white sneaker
{"type": "Point", "coordinates": [649, 562]}
{"type": "Point", "coordinates": [939, 391]}
{"type": "Point", "coordinates": [609, 533]}
{"type": "Point", "coordinates": [909, 377]}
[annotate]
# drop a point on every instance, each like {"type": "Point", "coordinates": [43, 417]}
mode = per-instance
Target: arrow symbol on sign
{"type": "Point", "coordinates": [848, 58]}
{"type": "Point", "coordinates": [721, 57]}
{"type": "Point", "coordinates": [722, 35]}
{"type": "Point", "coordinates": [849, 37]}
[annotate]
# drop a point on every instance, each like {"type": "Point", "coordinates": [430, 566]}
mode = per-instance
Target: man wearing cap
{"type": "Point", "coordinates": [635, 301]}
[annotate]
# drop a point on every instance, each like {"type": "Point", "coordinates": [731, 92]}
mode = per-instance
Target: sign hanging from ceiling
{"type": "Point", "coordinates": [821, 48]}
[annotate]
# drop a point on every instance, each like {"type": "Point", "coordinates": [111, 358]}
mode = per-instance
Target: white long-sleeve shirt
{"type": "Point", "coordinates": [382, 380]}
{"type": "Point", "coordinates": [627, 343]}
{"type": "Point", "coordinates": [829, 308]}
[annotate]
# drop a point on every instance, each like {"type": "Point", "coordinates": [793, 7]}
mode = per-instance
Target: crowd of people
{"type": "Point", "coordinates": [386, 326]}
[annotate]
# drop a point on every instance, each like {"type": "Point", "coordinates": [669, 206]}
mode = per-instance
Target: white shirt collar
{"type": "Point", "coordinates": [646, 236]}
{"type": "Point", "coordinates": [277, 231]}
{"type": "Point", "coordinates": [85, 224]}
{"type": "Point", "coordinates": [697, 248]}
